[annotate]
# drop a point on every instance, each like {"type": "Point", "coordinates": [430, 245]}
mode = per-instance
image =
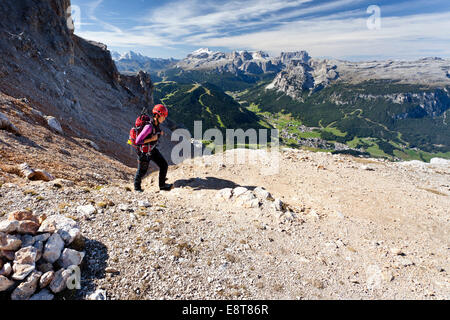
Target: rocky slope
{"type": "Point", "coordinates": [339, 228]}
{"type": "Point", "coordinates": [67, 77]}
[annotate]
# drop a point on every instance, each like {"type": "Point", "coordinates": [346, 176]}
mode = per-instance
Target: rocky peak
{"type": "Point", "coordinates": [235, 62]}
{"type": "Point", "coordinates": [244, 55]}
{"type": "Point", "coordinates": [260, 55]}
{"type": "Point", "coordinates": [294, 80]}
{"type": "Point", "coordinates": [301, 73]}
{"type": "Point", "coordinates": [286, 57]}
{"type": "Point", "coordinates": [201, 53]}
{"type": "Point", "coordinates": [131, 55]}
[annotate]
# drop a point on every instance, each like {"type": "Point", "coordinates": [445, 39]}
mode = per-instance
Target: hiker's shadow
{"type": "Point", "coordinates": [211, 183]}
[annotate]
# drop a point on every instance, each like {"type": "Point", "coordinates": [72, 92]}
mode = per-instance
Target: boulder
{"type": "Point", "coordinates": [42, 237]}
{"type": "Point", "coordinates": [415, 163]}
{"type": "Point", "coordinates": [28, 227]}
{"type": "Point", "coordinates": [239, 191]}
{"type": "Point", "coordinates": [6, 270]}
{"type": "Point", "coordinates": [46, 279]}
{"type": "Point", "coordinates": [70, 257]}
{"type": "Point", "coordinates": [98, 295]}
{"type": "Point", "coordinates": [53, 248]}
{"type": "Point", "coordinates": [59, 282]}
{"type": "Point", "coordinates": [225, 194]}
{"type": "Point", "coordinates": [70, 236]}
{"type": "Point", "coordinates": [5, 283]}
{"type": "Point", "coordinates": [26, 255]}
{"type": "Point", "coordinates": [123, 207]}
{"type": "Point", "coordinates": [21, 271]}
{"type": "Point", "coordinates": [23, 216]}
{"type": "Point", "coordinates": [47, 228]}
{"type": "Point", "coordinates": [8, 226]}
{"type": "Point", "coordinates": [27, 288]}
{"type": "Point", "coordinates": [43, 295]}
{"type": "Point", "coordinates": [54, 124]}
{"type": "Point", "coordinates": [247, 196]}
{"type": "Point", "coordinates": [27, 240]}
{"type": "Point", "coordinates": [9, 242]}
{"type": "Point", "coordinates": [248, 200]}
{"type": "Point", "coordinates": [144, 204]}
{"type": "Point", "coordinates": [86, 210]}
{"type": "Point", "coordinates": [262, 194]}
{"type": "Point", "coordinates": [278, 205]}
{"type": "Point", "coordinates": [39, 245]}
{"type": "Point", "coordinates": [43, 175]}
{"type": "Point", "coordinates": [251, 204]}
{"type": "Point", "coordinates": [67, 228]}
{"type": "Point", "coordinates": [26, 171]}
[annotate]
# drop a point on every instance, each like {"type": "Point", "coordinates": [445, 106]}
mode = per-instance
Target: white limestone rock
{"type": "Point", "coordinates": [53, 248]}
{"type": "Point", "coordinates": [70, 257]}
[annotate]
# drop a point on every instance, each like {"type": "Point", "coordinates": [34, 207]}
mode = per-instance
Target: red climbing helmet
{"type": "Point", "coordinates": [161, 110]}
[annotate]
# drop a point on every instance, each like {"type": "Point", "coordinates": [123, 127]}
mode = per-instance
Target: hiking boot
{"type": "Point", "coordinates": [166, 187]}
{"type": "Point", "coordinates": [138, 190]}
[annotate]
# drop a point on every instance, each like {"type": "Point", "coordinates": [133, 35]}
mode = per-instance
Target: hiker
{"type": "Point", "coordinates": [147, 152]}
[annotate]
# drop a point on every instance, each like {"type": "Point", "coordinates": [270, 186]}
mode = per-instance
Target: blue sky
{"type": "Point", "coordinates": [342, 29]}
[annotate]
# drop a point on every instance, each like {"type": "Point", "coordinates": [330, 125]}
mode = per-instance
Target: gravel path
{"type": "Point", "coordinates": [352, 230]}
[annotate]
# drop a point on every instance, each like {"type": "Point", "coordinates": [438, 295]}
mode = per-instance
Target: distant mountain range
{"type": "Point", "coordinates": [312, 73]}
{"type": "Point", "coordinates": [393, 108]}
{"type": "Point", "coordinates": [132, 62]}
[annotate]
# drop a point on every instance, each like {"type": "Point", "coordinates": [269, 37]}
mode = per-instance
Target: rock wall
{"type": "Point", "coordinates": [73, 79]}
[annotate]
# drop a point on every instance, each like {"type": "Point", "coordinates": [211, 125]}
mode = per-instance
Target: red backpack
{"type": "Point", "coordinates": [140, 123]}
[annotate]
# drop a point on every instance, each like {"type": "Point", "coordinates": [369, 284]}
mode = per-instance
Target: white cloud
{"type": "Point", "coordinates": [190, 16]}
{"type": "Point", "coordinates": [342, 34]}
{"type": "Point", "coordinates": [92, 7]}
{"type": "Point", "coordinates": [398, 37]}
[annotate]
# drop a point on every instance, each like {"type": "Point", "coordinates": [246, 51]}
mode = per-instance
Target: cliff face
{"type": "Point", "coordinates": [65, 76]}
{"type": "Point", "coordinates": [303, 74]}
{"type": "Point", "coordinates": [60, 7]}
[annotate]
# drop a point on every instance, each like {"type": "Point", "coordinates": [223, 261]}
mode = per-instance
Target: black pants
{"type": "Point", "coordinates": [144, 161]}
